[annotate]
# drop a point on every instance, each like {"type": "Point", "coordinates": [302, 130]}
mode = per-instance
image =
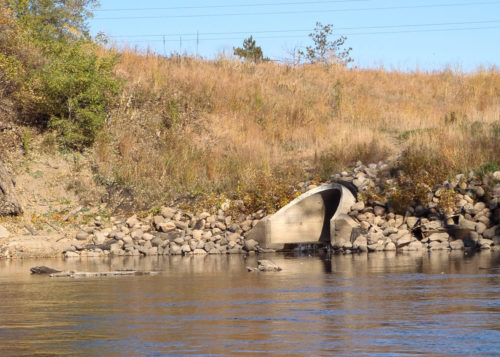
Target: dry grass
{"type": "Point", "coordinates": [186, 126]}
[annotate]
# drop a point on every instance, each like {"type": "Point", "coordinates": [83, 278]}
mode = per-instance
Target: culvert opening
{"type": "Point", "coordinates": [331, 200]}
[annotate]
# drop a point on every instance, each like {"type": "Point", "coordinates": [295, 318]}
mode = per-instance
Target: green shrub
{"type": "Point", "coordinates": [488, 167]}
{"type": "Point", "coordinates": [76, 87]}
{"type": "Point", "coordinates": [52, 71]}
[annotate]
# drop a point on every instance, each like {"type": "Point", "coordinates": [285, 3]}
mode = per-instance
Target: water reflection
{"type": "Point", "coordinates": [383, 303]}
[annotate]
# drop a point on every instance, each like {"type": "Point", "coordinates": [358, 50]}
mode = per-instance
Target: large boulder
{"type": "Point", "coordinates": [342, 230]}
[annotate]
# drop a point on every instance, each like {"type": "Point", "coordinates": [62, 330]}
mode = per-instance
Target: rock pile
{"type": "Point", "coordinates": [171, 232]}
{"type": "Point", "coordinates": [469, 219]}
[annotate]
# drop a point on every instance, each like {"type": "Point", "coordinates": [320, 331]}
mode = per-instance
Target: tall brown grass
{"type": "Point", "coordinates": [190, 126]}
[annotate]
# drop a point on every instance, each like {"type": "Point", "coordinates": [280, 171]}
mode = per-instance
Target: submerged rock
{"type": "Point", "coordinates": [267, 265]}
{"type": "Point", "coordinates": [43, 270]}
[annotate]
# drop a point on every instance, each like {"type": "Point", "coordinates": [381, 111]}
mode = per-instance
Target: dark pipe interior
{"type": "Point", "coordinates": [331, 200]}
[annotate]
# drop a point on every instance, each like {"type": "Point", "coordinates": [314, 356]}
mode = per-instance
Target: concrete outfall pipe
{"type": "Point", "coordinates": [310, 218]}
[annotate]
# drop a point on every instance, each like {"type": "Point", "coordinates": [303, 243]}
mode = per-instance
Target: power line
{"type": "Point", "coordinates": [229, 6]}
{"type": "Point", "coordinates": [344, 34]}
{"type": "Point", "coordinates": [303, 11]}
{"type": "Point", "coordinates": [305, 30]}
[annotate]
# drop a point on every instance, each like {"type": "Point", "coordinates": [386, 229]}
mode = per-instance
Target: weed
{"type": "Point", "coordinates": [488, 167]}
{"type": "Point", "coordinates": [26, 141]}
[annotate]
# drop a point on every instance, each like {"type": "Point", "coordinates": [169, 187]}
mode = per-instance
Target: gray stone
{"type": "Point", "coordinates": [267, 265]}
{"type": "Point", "coordinates": [147, 236]}
{"type": "Point", "coordinates": [200, 245]}
{"type": "Point", "coordinates": [175, 249]}
{"type": "Point", "coordinates": [478, 207]}
{"type": "Point", "coordinates": [167, 212]}
{"type": "Point", "coordinates": [193, 243]}
{"type": "Point", "coordinates": [170, 236]}
{"type": "Point", "coordinates": [490, 232]}
{"type": "Point", "coordinates": [117, 235]}
{"type": "Point", "coordinates": [374, 237]}
{"type": "Point", "coordinates": [233, 227]}
{"type": "Point", "coordinates": [411, 221]}
{"type": "Point", "coordinates": [436, 245]}
{"type": "Point", "coordinates": [379, 210]}
{"type": "Point", "coordinates": [238, 250]}
{"type": "Point", "coordinates": [233, 237]}
{"type": "Point", "coordinates": [70, 254]}
{"type": "Point", "coordinates": [466, 224]}
{"type": "Point", "coordinates": [99, 238]}
{"type": "Point", "coordinates": [404, 240]}
{"type": "Point", "coordinates": [152, 251]}
{"type": "Point", "coordinates": [114, 247]}
{"type": "Point", "coordinates": [347, 246]}
{"type": "Point", "coordinates": [137, 234]}
{"type": "Point", "coordinates": [132, 221]}
{"type": "Point", "coordinates": [220, 225]}
{"type": "Point", "coordinates": [439, 237]}
{"type": "Point", "coordinates": [365, 225]}
{"type": "Point", "coordinates": [457, 244]}
{"type": "Point", "coordinates": [181, 225]}
{"type": "Point", "coordinates": [479, 191]}
{"type": "Point", "coordinates": [390, 246]}
{"type": "Point", "coordinates": [214, 251]}
{"type": "Point", "coordinates": [432, 225]}
{"type": "Point", "coordinates": [179, 241]}
{"type": "Point", "coordinates": [89, 230]}
{"type": "Point", "coordinates": [167, 226]}
{"type": "Point", "coordinates": [480, 227]}
{"type": "Point", "coordinates": [199, 252]}
{"type": "Point", "coordinates": [157, 242]}
{"type": "Point", "coordinates": [360, 243]}
{"type": "Point", "coordinates": [390, 230]}
{"type": "Point", "coordinates": [250, 244]}
{"type": "Point", "coordinates": [197, 234]}
{"type": "Point", "coordinates": [82, 235]}
{"type": "Point", "coordinates": [157, 221]}
{"type": "Point", "coordinates": [127, 240]}
{"type": "Point", "coordinates": [483, 219]}
{"type": "Point", "coordinates": [198, 224]}
{"type": "Point", "coordinates": [358, 206]}
{"type": "Point", "coordinates": [413, 246]}
{"type": "Point", "coordinates": [485, 242]}
{"type": "Point", "coordinates": [204, 215]}
{"type": "Point", "coordinates": [209, 246]}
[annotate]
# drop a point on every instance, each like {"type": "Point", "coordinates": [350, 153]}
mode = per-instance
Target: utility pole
{"type": "Point", "coordinates": [164, 48]}
{"type": "Point", "coordinates": [180, 45]}
{"type": "Point", "coordinates": [197, 42]}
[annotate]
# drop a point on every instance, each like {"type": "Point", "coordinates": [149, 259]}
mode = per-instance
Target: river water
{"type": "Point", "coordinates": [381, 303]}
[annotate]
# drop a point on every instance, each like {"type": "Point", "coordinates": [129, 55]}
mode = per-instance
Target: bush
{"type": "Point", "coordinates": [15, 57]}
{"type": "Point", "coordinates": [76, 88]}
{"type": "Point", "coordinates": [52, 71]}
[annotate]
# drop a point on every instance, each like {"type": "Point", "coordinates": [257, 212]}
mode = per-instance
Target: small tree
{"type": "Point", "coordinates": [71, 86]}
{"type": "Point", "coordinates": [326, 50]}
{"type": "Point", "coordinates": [250, 51]}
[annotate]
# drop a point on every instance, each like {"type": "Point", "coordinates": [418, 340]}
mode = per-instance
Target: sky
{"type": "Point", "coordinates": [397, 35]}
